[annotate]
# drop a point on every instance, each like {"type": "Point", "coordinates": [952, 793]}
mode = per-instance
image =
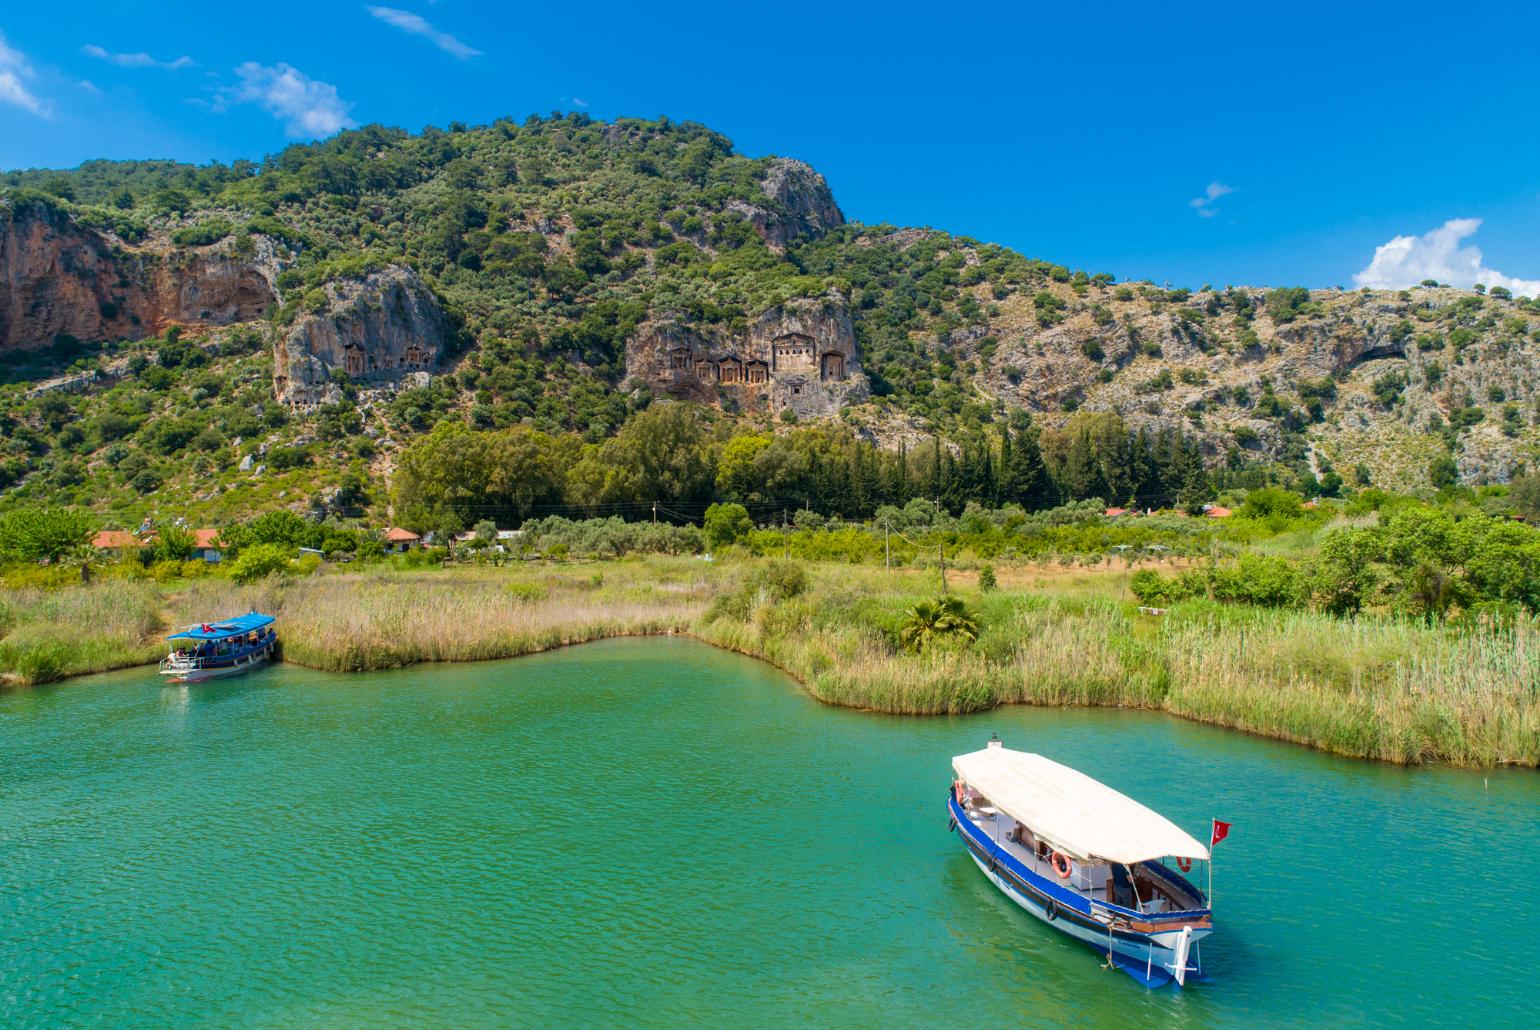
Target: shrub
{"type": "Point", "coordinates": [987, 579]}
{"type": "Point", "coordinates": [727, 524]}
{"type": "Point", "coordinates": [1151, 588]}
{"type": "Point", "coordinates": [1265, 580]}
{"type": "Point", "coordinates": [258, 562]}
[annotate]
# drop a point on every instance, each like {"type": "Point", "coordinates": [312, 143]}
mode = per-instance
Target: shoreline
{"type": "Point", "coordinates": [1369, 689]}
{"type": "Point", "coordinates": [692, 634]}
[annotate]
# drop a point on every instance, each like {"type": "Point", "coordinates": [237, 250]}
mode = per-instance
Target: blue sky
{"type": "Point", "coordinates": [1194, 145]}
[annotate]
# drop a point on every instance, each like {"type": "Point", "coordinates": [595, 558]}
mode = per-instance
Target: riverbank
{"type": "Point", "coordinates": [1386, 689]}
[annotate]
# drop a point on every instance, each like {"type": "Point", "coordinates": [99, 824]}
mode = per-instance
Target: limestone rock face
{"type": "Point", "coordinates": [384, 327]}
{"type": "Point", "coordinates": [801, 355]}
{"type": "Point", "coordinates": [798, 203]}
{"type": "Point", "coordinates": [60, 278]}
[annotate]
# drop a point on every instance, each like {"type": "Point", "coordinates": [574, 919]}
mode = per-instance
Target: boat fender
{"type": "Point", "coordinates": [951, 823]}
{"type": "Point", "coordinates": [1184, 864]}
{"type": "Point", "coordinates": [1051, 910]}
{"type": "Point", "coordinates": [1061, 865]}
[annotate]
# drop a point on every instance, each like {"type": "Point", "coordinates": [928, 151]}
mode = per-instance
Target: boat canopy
{"type": "Point", "coordinates": [1076, 814]}
{"type": "Point", "coordinates": [224, 629]}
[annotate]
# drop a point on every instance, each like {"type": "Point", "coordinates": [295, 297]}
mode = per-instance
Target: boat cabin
{"type": "Point", "coordinates": [212, 650]}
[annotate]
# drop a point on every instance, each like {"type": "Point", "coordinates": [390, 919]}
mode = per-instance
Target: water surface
{"type": "Point", "coordinates": [655, 831]}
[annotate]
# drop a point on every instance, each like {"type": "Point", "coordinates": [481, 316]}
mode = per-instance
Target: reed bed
{"type": "Point", "coordinates": [1376, 688]}
{"type": "Point", "coordinates": [46, 635]}
{"type": "Point", "coordinates": [352, 624]}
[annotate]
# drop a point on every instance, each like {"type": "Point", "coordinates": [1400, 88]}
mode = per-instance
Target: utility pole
{"type": "Point", "coordinates": [941, 548]}
{"type": "Point", "coordinates": [887, 554]}
{"type": "Point", "coordinates": [654, 513]}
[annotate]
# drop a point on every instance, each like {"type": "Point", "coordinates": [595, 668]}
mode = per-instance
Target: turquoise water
{"type": "Point", "coordinates": [655, 831]}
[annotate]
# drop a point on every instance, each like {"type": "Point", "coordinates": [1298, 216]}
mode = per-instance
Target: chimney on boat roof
{"type": "Point", "coordinates": [994, 740]}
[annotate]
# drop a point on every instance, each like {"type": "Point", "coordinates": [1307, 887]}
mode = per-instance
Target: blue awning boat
{"type": "Point", "coordinates": [1085, 859]}
{"type": "Point", "coordinates": [211, 650]}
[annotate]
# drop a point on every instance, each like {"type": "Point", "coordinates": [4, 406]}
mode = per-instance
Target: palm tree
{"type": "Point", "coordinates": [941, 619]}
{"type": "Point", "coordinates": [82, 556]}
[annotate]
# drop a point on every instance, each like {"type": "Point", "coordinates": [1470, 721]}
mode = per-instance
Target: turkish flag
{"type": "Point", "coordinates": [1221, 831]}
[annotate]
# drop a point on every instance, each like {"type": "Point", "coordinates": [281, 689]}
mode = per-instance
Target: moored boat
{"type": "Point", "coordinates": [1086, 859]}
{"type": "Point", "coordinates": [212, 650]}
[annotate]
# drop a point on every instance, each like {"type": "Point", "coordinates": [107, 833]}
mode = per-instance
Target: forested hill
{"type": "Point", "coordinates": [196, 346]}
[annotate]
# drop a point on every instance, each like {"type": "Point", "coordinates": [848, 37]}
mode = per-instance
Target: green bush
{"type": "Point", "coordinates": [259, 561]}
{"type": "Point", "coordinates": [1151, 588]}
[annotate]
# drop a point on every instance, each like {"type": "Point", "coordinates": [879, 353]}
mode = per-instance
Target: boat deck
{"type": "Point", "coordinates": [1094, 882]}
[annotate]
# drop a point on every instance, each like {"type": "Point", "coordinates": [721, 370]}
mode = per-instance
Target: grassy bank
{"type": "Point", "coordinates": [1372, 688]}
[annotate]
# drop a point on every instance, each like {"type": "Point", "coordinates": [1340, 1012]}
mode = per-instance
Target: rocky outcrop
{"type": "Point", "coordinates": [384, 327]}
{"type": "Point", "coordinates": [59, 278]}
{"type": "Point", "coordinates": [798, 203]}
{"type": "Point", "coordinates": [799, 356]}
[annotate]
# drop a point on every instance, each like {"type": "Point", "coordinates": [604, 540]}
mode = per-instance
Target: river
{"type": "Point", "coordinates": [651, 830]}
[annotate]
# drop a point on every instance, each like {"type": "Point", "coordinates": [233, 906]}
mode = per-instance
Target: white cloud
{"type": "Point", "coordinates": [1204, 204]}
{"type": "Point", "coordinates": [13, 68]}
{"type": "Point", "coordinates": [417, 25]}
{"type": "Point", "coordinates": [307, 107]}
{"type": "Point", "coordinates": [13, 92]}
{"type": "Point", "coordinates": [1407, 260]}
{"type": "Point", "coordinates": [135, 60]}
{"type": "Point", "coordinates": [13, 59]}
{"type": "Point", "coordinates": [579, 102]}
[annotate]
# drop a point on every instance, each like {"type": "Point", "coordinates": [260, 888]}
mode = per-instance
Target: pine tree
{"type": "Point", "coordinates": [1082, 476]}
{"type": "Point", "coordinates": [1024, 480]}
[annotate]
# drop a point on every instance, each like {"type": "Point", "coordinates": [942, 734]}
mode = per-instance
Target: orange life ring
{"type": "Point", "coordinates": [1184, 864]}
{"type": "Point", "coordinates": [1061, 865]}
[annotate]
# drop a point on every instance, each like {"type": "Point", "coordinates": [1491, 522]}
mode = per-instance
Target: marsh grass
{"type": "Point", "coordinates": [1386, 689]}
{"type": "Point", "coordinates": [1377, 688]}
{"type": "Point", "coordinates": [46, 635]}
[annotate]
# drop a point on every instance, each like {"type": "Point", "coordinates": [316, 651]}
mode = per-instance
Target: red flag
{"type": "Point", "coordinates": [1221, 831]}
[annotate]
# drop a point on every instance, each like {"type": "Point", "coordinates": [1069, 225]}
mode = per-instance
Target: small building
{"type": "Point", "coordinates": [1113, 513]}
{"type": "Point", "coordinates": [206, 545]}
{"type": "Point", "coordinates": [116, 541]}
{"type": "Point", "coordinates": [1214, 511]}
{"type": "Point", "coordinates": [400, 540]}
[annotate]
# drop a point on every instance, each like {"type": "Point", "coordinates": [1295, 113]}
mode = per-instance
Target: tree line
{"type": "Point", "coordinates": [672, 460]}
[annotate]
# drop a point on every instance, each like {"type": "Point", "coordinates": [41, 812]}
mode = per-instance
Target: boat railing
{"type": "Point", "coordinates": [1107, 912]}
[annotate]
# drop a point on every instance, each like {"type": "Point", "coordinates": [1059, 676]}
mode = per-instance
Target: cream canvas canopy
{"type": "Point", "coordinates": [1074, 813]}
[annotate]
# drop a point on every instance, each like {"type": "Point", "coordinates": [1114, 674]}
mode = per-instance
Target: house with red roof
{"type": "Point", "coordinates": [115, 541]}
{"type": "Point", "coordinates": [400, 540]}
{"type": "Point", "coordinates": [206, 545]}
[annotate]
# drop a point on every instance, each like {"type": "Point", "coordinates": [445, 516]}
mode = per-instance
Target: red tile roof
{"type": "Point", "coordinates": [114, 539]}
{"type": "Point", "coordinates": [206, 539]}
{"type": "Point", "coordinates": [1216, 512]}
{"type": "Point", "coordinates": [1114, 512]}
{"type": "Point", "coordinates": [395, 535]}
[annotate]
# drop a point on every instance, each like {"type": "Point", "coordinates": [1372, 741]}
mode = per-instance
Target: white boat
{"type": "Point", "coordinates": [213, 650]}
{"type": "Point", "coordinates": [1086, 859]}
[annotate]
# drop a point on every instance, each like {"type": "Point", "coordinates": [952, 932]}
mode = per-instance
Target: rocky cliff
{"type": "Point", "coordinates": [59, 278]}
{"type": "Point", "coordinates": [380, 328]}
{"type": "Point", "coordinates": [798, 204]}
{"type": "Point", "coordinates": [800, 355]}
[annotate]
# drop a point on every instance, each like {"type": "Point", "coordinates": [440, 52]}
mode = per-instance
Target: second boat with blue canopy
{"type": "Point", "coordinates": [211, 650]}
